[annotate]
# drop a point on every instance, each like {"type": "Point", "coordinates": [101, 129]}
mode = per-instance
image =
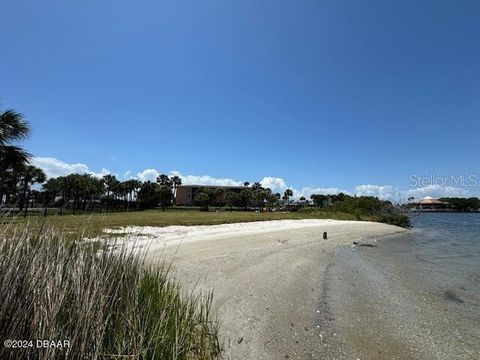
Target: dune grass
{"type": "Point", "coordinates": [106, 301]}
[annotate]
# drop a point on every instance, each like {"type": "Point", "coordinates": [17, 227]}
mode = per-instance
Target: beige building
{"type": "Point", "coordinates": [429, 203]}
{"type": "Point", "coordinates": [185, 195]}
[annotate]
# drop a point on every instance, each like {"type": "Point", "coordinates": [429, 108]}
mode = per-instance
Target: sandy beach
{"type": "Point", "coordinates": [268, 278]}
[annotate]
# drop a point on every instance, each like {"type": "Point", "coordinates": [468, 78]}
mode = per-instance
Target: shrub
{"type": "Point", "coordinates": [395, 218]}
{"type": "Point", "coordinates": [360, 208]}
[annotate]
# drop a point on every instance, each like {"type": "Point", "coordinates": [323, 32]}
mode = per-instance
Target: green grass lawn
{"type": "Point", "coordinates": [96, 222]}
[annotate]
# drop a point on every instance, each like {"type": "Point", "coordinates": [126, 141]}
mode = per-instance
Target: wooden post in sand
{"type": "Point", "coordinates": [324, 235]}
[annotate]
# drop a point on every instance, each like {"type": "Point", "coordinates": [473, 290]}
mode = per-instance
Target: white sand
{"type": "Point", "coordinates": [267, 278]}
{"type": "Point", "coordinates": [156, 237]}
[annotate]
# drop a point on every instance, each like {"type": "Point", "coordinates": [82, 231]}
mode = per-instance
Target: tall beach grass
{"type": "Point", "coordinates": [106, 301]}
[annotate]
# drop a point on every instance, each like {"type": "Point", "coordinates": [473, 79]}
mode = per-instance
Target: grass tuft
{"type": "Point", "coordinates": [105, 300]}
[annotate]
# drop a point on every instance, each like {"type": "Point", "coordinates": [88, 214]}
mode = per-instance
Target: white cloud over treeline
{"type": "Point", "coordinates": [54, 167]}
{"type": "Point", "coordinates": [391, 193]}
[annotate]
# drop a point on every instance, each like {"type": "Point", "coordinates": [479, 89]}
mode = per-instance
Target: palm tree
{"type": "Point", "coordinates": [231, 198]}
{"type": "Point", "coordinates": [30, 176]}
{"type": "Point", "coordinates": [203, 200]}
{"type": "Point", "coordinates": [256, 186]}
{"type": "Point", "coordinates": [8, 184]}
{"type": "Point", "coordinates": [176, 181]}
{"type": "Point", "coordinates": [259, 195]}
{"type": "Point", "coordinates": [286, 195]}
{"type": "Point", "coordinates": [128, 186]}
{"type": "Point", "coordinates": [148, 195]}
{"type": "Point", "coordinates": [273, 199]}
{"type": "Point", "coordinates": [164, 180]}
{"type": "Point", "coordinates": [111, 186]}
{"type": "Point", "coordinates": [52, 188]}
{"type": "Point", "coordinates": [13, 127]}
{"type": "Point", "coordinates": [135, 186]}
{"type": "Point", "coordinates": [245, 197]}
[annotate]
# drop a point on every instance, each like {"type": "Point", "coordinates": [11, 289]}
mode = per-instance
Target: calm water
{"type": "Point", "coordinates": [421, 289]}
{"type": "Point", "coordinates": [440, 261]}
{"type": "Point", "coordinates": [443, 254]}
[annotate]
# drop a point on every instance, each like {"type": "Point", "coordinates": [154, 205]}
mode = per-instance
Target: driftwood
{"type": "Point", "coordinates": [363, 244]}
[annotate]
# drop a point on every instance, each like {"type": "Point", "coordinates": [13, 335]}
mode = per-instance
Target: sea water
{"type": "Point", "coordinates": [436, 268]}
{"type": "Point", "coordinates": [442, 253]}
{"type": "Point", "coordinates": [411, 296]}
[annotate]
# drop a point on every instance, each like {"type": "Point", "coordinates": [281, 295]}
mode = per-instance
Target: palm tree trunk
{"type": "Point", "coordinates": [27, 195]}
{"type": "Point", "coordinates": [2, 192]}
{"type": "Point", "coordinates": [22, 202]}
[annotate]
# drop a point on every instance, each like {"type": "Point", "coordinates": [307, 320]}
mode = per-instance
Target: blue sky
{"type": "Point", "coordinates": [317, 94]}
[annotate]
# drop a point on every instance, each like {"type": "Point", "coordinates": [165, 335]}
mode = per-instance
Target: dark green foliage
{"type": "Point", "coordinates": [158, 194]}
{"type": "Point", "coordinates": [319, 200]}
{"type": "Point", "coordinates": [202, 199]}
{"type": "Point", "coordinates": [165, 196]}
{"type": "Point", "coordinates": [463, 204]}
{"type": "Point", "coordinates": [394, 218]}
{"type": "Point", "coordinates": [148, 195]}
{"type": "Point", "coordinates": [286, 195]}
{"type": "Point", "coordinates": [15, 173]}
{"type": "Point", "coordinates": [245, 198]}
{"type": "Point", "coordinates": [362, 207]}
{"type": "Point", "coordinates": [232, 198]}
{"type": "Point", "coordinates": [13, 127]}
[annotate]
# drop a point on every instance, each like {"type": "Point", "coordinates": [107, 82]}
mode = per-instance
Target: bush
{"type": "Point", "coordinates": [395, 218]}
{"type": "Point", "coordinates": [360, 208]}
{"type": "Point", "coordinates": [104, 300]}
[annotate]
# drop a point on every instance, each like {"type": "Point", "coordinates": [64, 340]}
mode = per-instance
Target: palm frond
{"type": "Point", "coordinates": [13, 157]}
{"type": "Point", "coordinates": [13, 127]}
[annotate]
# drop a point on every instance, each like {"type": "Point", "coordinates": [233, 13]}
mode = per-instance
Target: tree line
{"type": "Point", "coordinates": [251, 196]}
{"type": "Point", "coordinates": [463, 204]}
{"type": "Point", "coordinates": [362, 207]}
{"type": "Point", "coordinates": [24, 186]}
{"type": "Point", "coordinates": [84, 192]}
{"type": "Point", "coordinates": [76, 191]}
{"type": "Point", "coordinates": [16, 174]}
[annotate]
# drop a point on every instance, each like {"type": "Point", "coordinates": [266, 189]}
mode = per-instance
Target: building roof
{"type": "Point", "coordinates": [428, 200]}
{"type": "Point", "coordinates": [215, 186]}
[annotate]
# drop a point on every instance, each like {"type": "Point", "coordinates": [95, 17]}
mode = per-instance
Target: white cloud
{"type": "Point", "coordinates": [437, 191]}
{"type": "Point", "coordinates": [101, 173]}
{"type": "Point", "coordinates": [147, 175]}
{"type": "Point", "coordinates": [394, 194]}
{"type": "Point", "coordinates": [279, 185]}
{"type": "Point", "coordinates": [152, 174]}
{"type": "Point", "coordinates": [54, 167]}
{"type": "Point", "coordinates": [276, 184]}
{"type": "Point", "coordinates": [383, 192]}
{"type": "Point", "coordinates": [205, 180]}
{"type": "Point", "coordinates": [307, 191]}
